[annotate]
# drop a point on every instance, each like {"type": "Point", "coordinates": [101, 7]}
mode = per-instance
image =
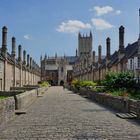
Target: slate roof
{"type": "Point", "coordinates": [130, 51]}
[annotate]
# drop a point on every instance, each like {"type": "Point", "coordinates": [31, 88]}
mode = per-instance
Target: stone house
{"type": "Point", "coordinates": [13, 70]}
{"type": "Point", "coordinates": [87, 67]}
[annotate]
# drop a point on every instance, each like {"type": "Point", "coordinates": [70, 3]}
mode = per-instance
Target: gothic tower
{"type": "Point", "coordinates": [85, 44]}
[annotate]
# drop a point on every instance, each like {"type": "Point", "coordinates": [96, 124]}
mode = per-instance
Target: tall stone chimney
{"type": "Point", "coordinates": [93, 55]}
{"type": "Point", "coordinates": [30, 62]}
{"type": "Point", "coordinates": [108, 48]}
{"type": "Point", "coordinates": [13, 53]}
{"type": "Point", "coordinates": [121, 39]}
{"type": "Point", "coordinates": [99, 54]}
{"type": "Point", "coordinates": [4, 41]}
{"type": "Point", "coordinates": [20, 61]}
{"type": "Point", "coordinates": [28, 57]}
{"type": "Point", "coordinates": [19, 53]}
{"type": "Point", "coordinates": [76, 53]}
{"type": "Point", "coordinates": [139, 36]}
{"type": "Point", "coordinates": [24, 57]}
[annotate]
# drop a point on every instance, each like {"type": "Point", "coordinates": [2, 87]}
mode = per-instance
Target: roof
{"type": "Point", "coordinates": [130, 51]}
{"type": "Point", "coordinates": [71, 59]}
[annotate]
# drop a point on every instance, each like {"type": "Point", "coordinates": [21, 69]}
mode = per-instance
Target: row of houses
{"type": "Point", "coordinates": [15, 71]}
{"type": "Point", "coordinates": [90, 67]}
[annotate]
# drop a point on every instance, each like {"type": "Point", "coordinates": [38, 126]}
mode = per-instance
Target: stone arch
{"type": "Point", "coordinates": [61, 83]}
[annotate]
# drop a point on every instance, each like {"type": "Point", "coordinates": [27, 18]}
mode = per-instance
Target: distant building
{"type": "Point", "coordinates": [57, 70]}
{"type": "Point", "coordinates": [86, 60]}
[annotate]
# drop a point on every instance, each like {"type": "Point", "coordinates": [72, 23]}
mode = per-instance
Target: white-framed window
{"type": "Point", "coordinates": [135, 62]}
{"type": "Point", "coordinates": [131, 64]}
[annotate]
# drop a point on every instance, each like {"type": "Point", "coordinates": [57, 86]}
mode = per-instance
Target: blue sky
{"type": "Point", "coordinates": [50, 26]}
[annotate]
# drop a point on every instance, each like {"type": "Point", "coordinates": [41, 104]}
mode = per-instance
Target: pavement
{"type": "Point", "coordinates": [63, 115]}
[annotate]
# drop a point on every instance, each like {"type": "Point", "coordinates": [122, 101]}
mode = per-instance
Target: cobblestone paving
{"type": "Point", "coordinates": [62, 115]}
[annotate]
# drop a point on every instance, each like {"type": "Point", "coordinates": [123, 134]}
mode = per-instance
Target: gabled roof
{"type": "Point", "coordinates": [113, 59]}
{"type": "Point", "coordinates": [131, 51]}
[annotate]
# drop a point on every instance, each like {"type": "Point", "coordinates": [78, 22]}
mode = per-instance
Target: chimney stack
{"type": "Point", "coordinates": [28, 57]}
{"type": "Point", "coordinates": [30, 62]}
{"type": "Point", "coordinates": [139, 36]}
{"type": "Point", "coordinates": [93, 55]}
{"type": "Point", "coordinates": [108, 48]}
{"type": "Point", "coordinates": [19, 53]}
{"type": "Point", "coordinates": [100, 54]}
{"type": "Point", "coordinates": [4, 40]}
{"type": "Point", "coordinates": [13, 47]}
{"type": "Point", "coordinates": [24, 57]}
{"type": "Point", "coordinates": [121, 39]}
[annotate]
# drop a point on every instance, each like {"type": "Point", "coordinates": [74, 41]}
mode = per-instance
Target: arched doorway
{"type": "Point", "coordinates": [61, 83]}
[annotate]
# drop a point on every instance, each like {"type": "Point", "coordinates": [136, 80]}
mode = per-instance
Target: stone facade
{"type": "Point", "coordinates": [57, 70]}
{"type": "Point", "coordinates": [13, 70]}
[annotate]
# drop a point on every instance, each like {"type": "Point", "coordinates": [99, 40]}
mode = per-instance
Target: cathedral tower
{"type": "Point", "coordinates": [85, 44]}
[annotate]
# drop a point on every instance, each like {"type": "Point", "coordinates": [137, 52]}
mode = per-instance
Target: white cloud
{"type": "Point", "coordinates": [28, 37]}
{"type": "Point", "coordinates": [101, 24]}
{"type": "Point", "coordinates": [72, 26]}
{"type": "Point", "coordinates": [118, 12]}
{"type": "Point", "coordinates": [103, 10]}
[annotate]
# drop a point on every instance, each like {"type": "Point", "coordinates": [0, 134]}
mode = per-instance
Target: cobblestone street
{"type": "Point", "coordinates": [62, 115]}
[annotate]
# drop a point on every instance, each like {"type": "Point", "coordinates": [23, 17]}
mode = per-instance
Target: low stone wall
{"type": "Point", "coordinates": [25, 99]}
{"type": "Point", "coordinates": [122, 104]}
{"type": "Point", "coordinates": [7, 107]}
{"type": "Point", "coordinates": [17, 100]}
{"type": "Point", "coordinates": [22, 88]}
{"type": "Point", "coordinates": [10, 93]}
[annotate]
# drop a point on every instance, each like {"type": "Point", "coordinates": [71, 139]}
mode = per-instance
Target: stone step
{"type": "Point", "coordinates": [20, 112]}
{"type": "Point", "coordinates": [126, 115]}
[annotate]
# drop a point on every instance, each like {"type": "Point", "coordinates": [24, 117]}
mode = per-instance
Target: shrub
{"type": "Point", "coordinates": [77, 84]}
{"type": "Point", "coordinates": [44, 84]}
{"type": "Point", "coordinates": [120, 80]}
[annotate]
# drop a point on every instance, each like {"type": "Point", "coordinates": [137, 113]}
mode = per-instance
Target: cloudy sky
{"type": "Point", "coordinates": [50, 26]}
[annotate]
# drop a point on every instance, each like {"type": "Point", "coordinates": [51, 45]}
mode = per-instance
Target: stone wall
{"type": "Point", "coordinates": [25, 99]}
{"type": "Point", "coordinates": [121, 104]}
{"type": "Point", "coordinates": [18, 100]}
{"type": "Point", "coordinates": [7, 107]}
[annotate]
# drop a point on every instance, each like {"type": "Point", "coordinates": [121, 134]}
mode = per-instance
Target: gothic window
{"type": "Point", "coordinates": [138, 62]}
